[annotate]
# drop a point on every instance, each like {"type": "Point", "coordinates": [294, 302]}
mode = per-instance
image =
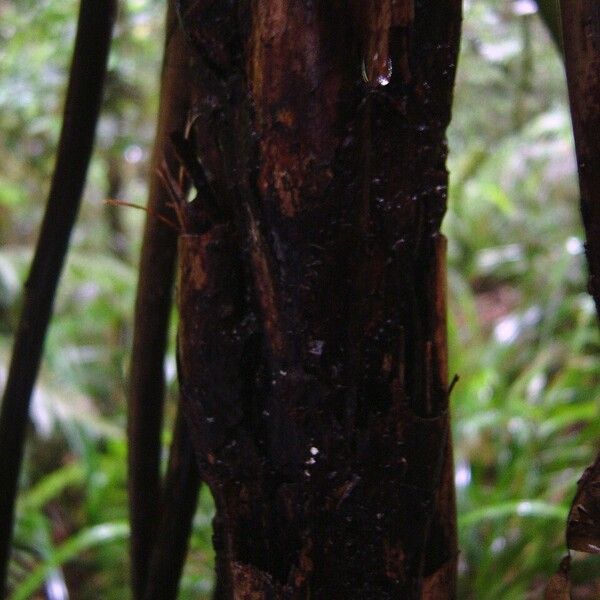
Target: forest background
{"type": "Point", "coordinates": [523, 334]}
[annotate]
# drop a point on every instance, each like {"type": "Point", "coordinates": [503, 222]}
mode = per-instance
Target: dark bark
{"type": "Point", "coordinates": [581, 40]}
{"type": "Point", "coordinates": [152, 309]}
{"type": "Point", "coordinates": [312, 340]}
{"type": "Point", "coordinates": [84, 96]}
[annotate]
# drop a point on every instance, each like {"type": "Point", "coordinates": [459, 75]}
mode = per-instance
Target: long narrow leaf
{"type": "Point", "coordinates": [519, 508]}
{"type": "Point", "coordinates": [84, 540]}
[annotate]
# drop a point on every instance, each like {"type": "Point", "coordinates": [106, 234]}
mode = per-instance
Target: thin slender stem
{"type": "Point", "coordinates": [152, 309]}
{"type": "Point", "coordinates": [180, 497]}
{"type": "Point", "coordinates": [84, 96]}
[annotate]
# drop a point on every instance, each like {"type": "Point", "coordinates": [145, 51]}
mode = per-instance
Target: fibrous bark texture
{"type": "Point", "coordinates": [312, 339]}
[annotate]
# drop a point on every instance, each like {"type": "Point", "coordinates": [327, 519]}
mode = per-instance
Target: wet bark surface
{"type": "Point", "coordinates": [312, 340]}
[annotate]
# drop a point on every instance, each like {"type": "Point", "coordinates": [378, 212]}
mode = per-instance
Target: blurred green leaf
{"type": "Point", "coordinates": [83, 541]}
{"type": "Point", "coordinates": [521, 509]}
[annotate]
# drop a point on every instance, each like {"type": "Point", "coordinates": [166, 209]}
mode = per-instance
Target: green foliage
{"type": "Point", "coordinates": [75, 545]}
{"type": "Point", "coordinates": [523, 332]}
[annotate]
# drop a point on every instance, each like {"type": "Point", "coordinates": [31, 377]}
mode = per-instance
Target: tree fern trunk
{"type": "Point", "coordinates": [312, 341]}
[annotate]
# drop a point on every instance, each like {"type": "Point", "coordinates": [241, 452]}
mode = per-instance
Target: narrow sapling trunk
{"type": "Point", "coordinates": [312, 298]}
{"type": "Point", "coordinates": [151, 321]}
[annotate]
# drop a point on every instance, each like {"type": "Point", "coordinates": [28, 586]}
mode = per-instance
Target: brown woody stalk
{"type": "Point", "coordinates": [152, 309]}
{"type": "Point", "coordinates": [581, 39]}
{"type": "Point", "coordinates": [180, 496]}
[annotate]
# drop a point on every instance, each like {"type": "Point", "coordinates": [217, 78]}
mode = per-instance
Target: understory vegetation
{"type": "Point", "coordinates": [523, 331]}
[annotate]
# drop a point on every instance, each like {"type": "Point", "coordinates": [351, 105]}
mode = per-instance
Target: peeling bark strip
{"type": "Point", "coordinates": [581, 43]}
{"type": "Point", "coordinates": [312, 341]}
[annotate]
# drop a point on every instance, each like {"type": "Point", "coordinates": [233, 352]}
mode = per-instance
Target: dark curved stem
{"type": "Point", "coordinates": [180, 497]}
{"type": "Point", "coordinates": [84, 96]}
{"type": "Point", "coordinates": [151, 321]}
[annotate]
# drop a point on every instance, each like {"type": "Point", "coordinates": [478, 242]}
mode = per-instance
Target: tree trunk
{"type": "Point", "coordinates": [312, 296]}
